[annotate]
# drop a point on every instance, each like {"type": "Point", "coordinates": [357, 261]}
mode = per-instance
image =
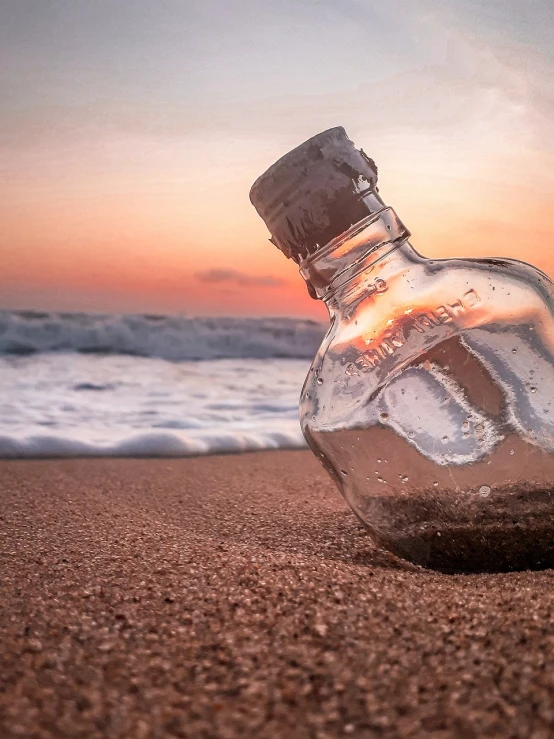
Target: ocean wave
{"type": "Point", "coordinates": [148, 444]}
{"type": "Point", "coordinates": [167, 337]}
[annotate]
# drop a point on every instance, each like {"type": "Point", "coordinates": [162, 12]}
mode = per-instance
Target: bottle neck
{"type": "Point", "coordinates": [357, 262]}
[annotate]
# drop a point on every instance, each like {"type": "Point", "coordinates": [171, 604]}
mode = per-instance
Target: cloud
{"type": "Point", "coordinates": [238, 278]}
{"type": "Point", "coordinates": [457, 67]}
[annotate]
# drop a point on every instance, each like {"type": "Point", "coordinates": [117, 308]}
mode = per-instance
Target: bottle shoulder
{"type": "Point", "coordinates": [496, 271]}
{"type": "Point", "coordinates": [422, 306]}
{"type": "Point", "coordinates": [456, 291]}
{"type": "Point", "coordinates": [508, 291]}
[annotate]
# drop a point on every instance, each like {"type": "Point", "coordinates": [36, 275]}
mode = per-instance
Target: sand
{"type": "Point", "coordinates": [237, 596]}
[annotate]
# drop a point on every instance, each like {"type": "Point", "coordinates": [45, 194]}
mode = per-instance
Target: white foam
{"type": "Point", "coordinates": [517, 366]}
{"type": "Point", "coordinates": [429, 408]}
{"type": "Point", "coordinates": [71, 405]}
{"type": "Point", "coordinates": [148, 445]}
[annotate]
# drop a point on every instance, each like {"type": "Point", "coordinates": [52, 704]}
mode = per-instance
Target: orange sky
{"type": "Point", "coordinates": [133, 195]}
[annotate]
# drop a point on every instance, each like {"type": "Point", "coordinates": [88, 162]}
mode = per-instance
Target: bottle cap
{"type": "Point", "coordinates": [314, 193]}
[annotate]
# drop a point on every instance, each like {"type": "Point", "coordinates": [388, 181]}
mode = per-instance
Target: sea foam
{"type": "Point", "coordinates": [148, 445]}
{"type": "Point", "coordinates": [57, 404]}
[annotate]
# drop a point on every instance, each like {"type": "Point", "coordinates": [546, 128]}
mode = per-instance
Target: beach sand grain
{"type": "Point", "coordinates": [237, 596]}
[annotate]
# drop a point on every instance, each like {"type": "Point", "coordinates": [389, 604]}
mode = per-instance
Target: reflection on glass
{"type": "Point", "coordinates": [430, 399]}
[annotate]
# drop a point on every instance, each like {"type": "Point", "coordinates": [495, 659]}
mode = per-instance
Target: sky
{"type": "Point", "coordinates": [132, 130]}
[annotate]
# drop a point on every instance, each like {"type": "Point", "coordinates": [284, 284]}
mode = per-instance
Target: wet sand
{"type": "Point", "coordinates": [237, 596]}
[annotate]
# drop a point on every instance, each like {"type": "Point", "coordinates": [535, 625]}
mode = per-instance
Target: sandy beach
{"type": "Point", "coordinates": [237, 596]}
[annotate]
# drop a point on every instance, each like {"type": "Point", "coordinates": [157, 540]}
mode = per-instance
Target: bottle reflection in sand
{"type": "Point", "coordinates": [430, 399]}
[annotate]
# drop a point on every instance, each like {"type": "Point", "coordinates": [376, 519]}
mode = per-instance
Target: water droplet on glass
{"type": "Point", "coordinates": [411, 434]}
{"type": "Point", "coordinates": [313, 418]}
{"type": "Point", "coordinates": [379, 461]}
{"type": "Point", "coordinates": [465, 425]}
{"type": "Point", "coordinates": [344, 472]}
{"type": "Point", "coordinates": [514, 351]}
{"type": "Point", "coordinates": [384, 417]}
{"type": "Point", "coordinates": [320, 381]}
{"type": "Point", "coordinates": [380, 479]}
{"type": "Point", "coordinates": [533, 389]}
{"type": "Point", "coordinates": [512, 451]}
{"type": "Point", "coordinates": [444, 439]}
{"type": "Point", "coordinates": [435, 484]}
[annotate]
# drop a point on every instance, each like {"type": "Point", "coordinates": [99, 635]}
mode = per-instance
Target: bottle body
{"type": "Point", "coordinates": [430, 400]}
{"type": "Point", "coordinates": [430, 403]}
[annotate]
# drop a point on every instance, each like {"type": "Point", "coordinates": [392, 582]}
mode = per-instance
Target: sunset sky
{"type": "Point", "coordinates": [132, 130]}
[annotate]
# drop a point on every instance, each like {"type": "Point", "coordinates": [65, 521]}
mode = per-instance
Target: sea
{"type": "Point", "coordinates": [90, 385]}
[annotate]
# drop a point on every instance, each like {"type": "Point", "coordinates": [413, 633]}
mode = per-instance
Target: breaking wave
{"type": "Point", "coordinates": [173, 338]}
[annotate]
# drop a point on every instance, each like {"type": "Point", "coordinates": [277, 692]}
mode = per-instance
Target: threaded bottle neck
{"type": "Point", "coordinates": [365, 243]}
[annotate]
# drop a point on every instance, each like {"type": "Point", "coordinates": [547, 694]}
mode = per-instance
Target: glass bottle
{"type": "Point", "coordinates": [431, 399]}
